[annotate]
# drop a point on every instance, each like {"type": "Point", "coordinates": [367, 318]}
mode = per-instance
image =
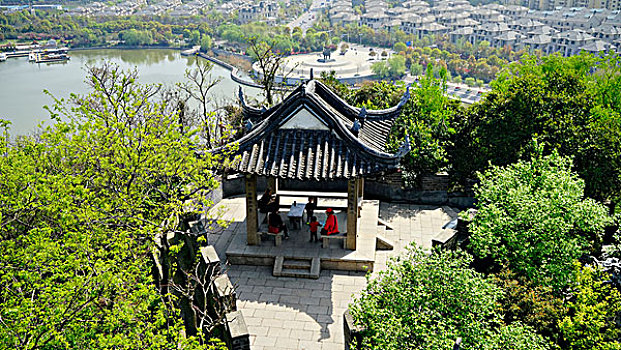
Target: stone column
{"type": "Point", "coordinates": [360, 193]}
{"type": "Point", "coordinates": [252, 220]}
{"type": "Point", "coordinates": [352, 213]}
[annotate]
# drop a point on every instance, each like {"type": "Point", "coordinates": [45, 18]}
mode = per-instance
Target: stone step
{"type": "Point", "coordinates": [315, 269]}
{"type": "Point", "coordinates": [452, 213]}
{"type": "Point", "coordinates": [299, 264]}
{"type": "Point", "coordinates": [382, 222]}
{"type": "Point", "coordinates": [297, 267]}
{"type": "Point", "coordinates": [381, 229]}
{"type": "Point", "coordinates": [278, 265]}
{"type": "Point", "coordinates": [383, 243]}
{"type": "Point", "coordinates": [297, 273]}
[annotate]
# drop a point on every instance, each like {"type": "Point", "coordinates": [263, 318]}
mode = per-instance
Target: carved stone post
{"type": "Point", "coordinates": [360, 192]}
{"type": "Point", "coordinates": [252, 220]}
{"type": "Point", "coordinates": [352, 213]}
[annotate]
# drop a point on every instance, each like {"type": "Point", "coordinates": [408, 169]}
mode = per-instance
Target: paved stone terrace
{"type": "Point", "coordinates": [296, 313]}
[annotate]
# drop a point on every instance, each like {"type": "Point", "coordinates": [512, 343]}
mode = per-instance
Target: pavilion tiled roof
{"type": "Point", "coordinates": [349, 142]}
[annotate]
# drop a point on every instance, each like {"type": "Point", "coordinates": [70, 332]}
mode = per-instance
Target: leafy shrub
{"type": "Point", "coordinates": [427, 301]}
{"type": "Point", "coordinates": [534, 219]}
{"type": "Point", "coordinates": [594, 313]}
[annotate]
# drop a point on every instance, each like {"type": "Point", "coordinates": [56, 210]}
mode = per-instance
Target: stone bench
{"type": "Point", "coordinates": [446, 239]}
{"type": "Point", "coordinates": [277, 237]}
{"type": "Point", "coordinates": [325, 240]}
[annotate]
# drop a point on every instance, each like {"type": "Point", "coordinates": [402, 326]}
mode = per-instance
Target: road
{"type": "Point", "coordinates": [309, 17]}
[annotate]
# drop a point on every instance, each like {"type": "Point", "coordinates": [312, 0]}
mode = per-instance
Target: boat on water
{"type": "Point", "coordinates": [2, 57]}
{"type": "Point", "coordinates": [51, 57]}
{"type": "Point", "coordinates": [48, 55]}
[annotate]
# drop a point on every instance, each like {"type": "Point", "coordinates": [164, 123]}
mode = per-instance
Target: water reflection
{"type": "Point", "coordinates": [21, 91]}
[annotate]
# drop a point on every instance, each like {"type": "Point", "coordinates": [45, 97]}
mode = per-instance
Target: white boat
{"type": "Point", "coordinates": [2, 57]}
{"type": "Point", "coordinates": [32, 56]}
{"type": "Point", "coordinates": [52, 57]}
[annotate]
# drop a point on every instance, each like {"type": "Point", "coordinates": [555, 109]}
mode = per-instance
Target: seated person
{"type": "Point", "coordinates": [274, 204]}
{"type": "Point", "coordinates": [331, 227]}
{"type": "Point", "coordinates": [276, 225]}
{"type": "Point", "coordinates": [265, 199]}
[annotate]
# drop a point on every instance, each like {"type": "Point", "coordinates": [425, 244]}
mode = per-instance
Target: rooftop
{"type": "Point", "coordinates": [315, 135]}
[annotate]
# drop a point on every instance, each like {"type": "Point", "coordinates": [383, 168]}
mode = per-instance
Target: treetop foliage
{"type": "Point", "coordinates": [427, 301]}
{"type": "Point", "coordinates": [81, 203]}
{"type": "Point", "coordinates": [533, 218]}
{"type": "Point", "coordinates": [571, 104]}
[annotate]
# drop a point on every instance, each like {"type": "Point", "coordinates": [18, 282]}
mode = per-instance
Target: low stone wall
{"type": "Point", "coordinates": [234, 71]}
{"type": "Point", "coordinates": [351, 332]}
{"type": "Point", "coordinates": [219, 52]}
{"type": "Point", "coordinates": [213, 293]}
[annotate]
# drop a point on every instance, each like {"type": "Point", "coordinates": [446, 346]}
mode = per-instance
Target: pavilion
{"type": "Point", "coordinates": [314, 135]}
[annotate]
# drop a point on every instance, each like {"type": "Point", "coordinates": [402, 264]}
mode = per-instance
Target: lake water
{"type": "Point", "coordinates": [22, 83]}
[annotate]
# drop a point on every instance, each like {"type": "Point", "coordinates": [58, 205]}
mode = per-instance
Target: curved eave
{"type": "Point", "coordinates": [315, 87]}
{"type": "Point", "coordinates": [353, 112]}
{"type": "Point", "coordinates": [298, 100]}
{"type": "Point", "coordinates": [345, 133]}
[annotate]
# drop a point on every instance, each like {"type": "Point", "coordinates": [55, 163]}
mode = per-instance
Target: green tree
{"type": "Point", "coordinates": [206, 43]}
{"type": "Point", "coordinates": [400, 47]}
{"type": "Point", "coordinates": [380, 69]}
{"type": "Point", "coordinates": [135, 37]}
{"type": "Point", "coordinates": [515, 337]}
{"type": "Point", "coordinates": [392, 68]}
{"type": "Point", "coordinates": [427, 120]}
{"type": "Point", "coordinates": [594, 312]}
{"type": "Point", "coordinates": [427, 301]}
{"type": "Point", "coordinates": [80, 207]}
{"type": "Point", "coordinates": [533, 218]}
{"type": "Point", "coordinates": [537, 306]}
{"type": "Point", "coordinates": [571, 103]}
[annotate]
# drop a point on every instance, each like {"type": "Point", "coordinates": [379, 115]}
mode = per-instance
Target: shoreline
{"type": "Point", "coordinates": [125, 48]}
{"type": "Point", "coordinates": [233, 70]}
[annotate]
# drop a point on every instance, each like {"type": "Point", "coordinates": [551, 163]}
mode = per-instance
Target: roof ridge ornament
{"type": "Point", "coordinates": [309, 87]}
{"type": "Point", "coordinates": [404, 148]}
{"type": "Point", "coordinates": [355, 128]}
{"type": "Point", "coordinates": [311, 74]}
{"type": "Point", "coordinates": [405, 97]}
{"type": "Point", "coordinates": [362, 116]}
{"type": "Point", "coordinates": [363, 113]}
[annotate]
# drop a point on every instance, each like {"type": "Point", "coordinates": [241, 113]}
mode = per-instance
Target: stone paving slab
{"type": "Point", "coordinates": [294, 313]}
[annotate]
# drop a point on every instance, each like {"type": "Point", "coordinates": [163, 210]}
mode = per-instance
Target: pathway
{"type": "Point", "coordinates": [294, 313]}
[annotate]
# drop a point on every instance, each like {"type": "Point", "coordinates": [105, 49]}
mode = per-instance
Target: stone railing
{"type": "Point", "coordinates": [214, 295]}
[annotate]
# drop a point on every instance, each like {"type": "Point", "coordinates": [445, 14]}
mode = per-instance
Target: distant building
{"type": "Point", "coordinates": [263, 11]}
{"type": "Point", "coordinates": [597, 46]}
{"type": "Point", "coordinates": [571, 42]}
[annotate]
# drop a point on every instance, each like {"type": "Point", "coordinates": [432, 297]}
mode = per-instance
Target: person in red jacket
{"type": "Point", "coordinates": [332, 224]}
